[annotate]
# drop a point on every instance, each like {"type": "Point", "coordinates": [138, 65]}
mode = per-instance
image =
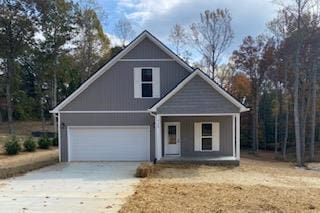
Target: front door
{"type": "Point", "coordinates": [172, 138]}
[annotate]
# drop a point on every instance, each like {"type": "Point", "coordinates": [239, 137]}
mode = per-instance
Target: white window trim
{"type": "Point", "coordinates": [148, 82]}
{"type": "Point", "coordinates": [201, 137]}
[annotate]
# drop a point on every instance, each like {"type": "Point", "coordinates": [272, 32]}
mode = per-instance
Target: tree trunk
{"type": "Point", "coordinates": [296, 109]}
{"type": "Point", "coordinates": [213, 64]}
{"type": "Point", "coordinates": [1, 119]}
{"type": "Point", "coordinates": [276, 133]}
{"type": "Point", "coordinates": [54, 98]}
{"type": "Point", "coordinates": [10, 71]}
{"type": "Point", "coordinates": [276, 122]}
{"type": "Point", "coordinates": [313, 112]}
{"type": "Point", "coordinates": [286, 123]}
{"type": "Point", "coordinates": [305, 108]}
{"type": "Point", "coordinates": [43, 120]}
{"type": "Point", "coordinates": [285, 140]}
{"type": "Point", "coordinates": [255, 122]}
{"type": "Point", "coordinates": [256, 131]}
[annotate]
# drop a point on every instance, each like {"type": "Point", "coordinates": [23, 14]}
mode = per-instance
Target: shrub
{"type": "Point", "coordinates": [30, 145]}
{"type": "Point", "coordinates": [55, 141]}
{"type": "Point", "coordinates": [44, 143]}
{"type": "Point", "coordinates": [145, 170]}
{"type": "Point", "coordinates": [12, 146]}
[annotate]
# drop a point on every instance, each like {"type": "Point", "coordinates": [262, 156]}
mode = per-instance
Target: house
{"type": "Point", "coordinates": [146, 103]}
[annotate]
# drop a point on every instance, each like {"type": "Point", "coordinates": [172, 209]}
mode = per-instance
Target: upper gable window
{"type": "Point", "coordinates": [146, 75]}
{"type": "Point", "coordinates": [146, 82]}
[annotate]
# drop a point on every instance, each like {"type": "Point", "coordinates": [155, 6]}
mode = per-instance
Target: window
{"type": "Point", "coordinates": [146, 82]}
{"type": "Point", "coordinates": [206, 137]}
{"type": "Point", "coordinates": [172, 134]}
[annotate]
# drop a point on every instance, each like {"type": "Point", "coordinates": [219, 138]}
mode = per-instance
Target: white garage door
{"type": "Point", "coordinates": [109, 143]}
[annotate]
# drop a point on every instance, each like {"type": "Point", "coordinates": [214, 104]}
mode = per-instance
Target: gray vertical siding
{"type": "Point", "coordinates": [197, 96]}
{"type": "Point", "coordinates": [114, 90]}
{"type": "Point", "coordinates": [146, 50]}
{"type": "Point", "coordinates": [101, 119]}
{"type": "Point", "coordinates": [187, 135]}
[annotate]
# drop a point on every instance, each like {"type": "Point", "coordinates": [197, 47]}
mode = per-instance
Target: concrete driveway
{"type": "Point", "coordinates": [71, 187]}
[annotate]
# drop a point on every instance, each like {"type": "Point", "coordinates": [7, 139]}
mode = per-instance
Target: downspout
{"type": "Point", "coordinates": [155, 136]}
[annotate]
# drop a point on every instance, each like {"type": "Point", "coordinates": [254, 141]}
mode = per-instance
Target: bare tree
{"type": "Point", "coordinates": [315, 42]}
{"type": "Point", "coordinates": [212, 36]}
{"type": "Point", "coordinates": [124, 30]}
{"type": "Point", "coordinates": [299, 12]}
{"type": "Point", "coordinates": [178, 37]}
{"type": "Point", "coordinates": [279, 27]}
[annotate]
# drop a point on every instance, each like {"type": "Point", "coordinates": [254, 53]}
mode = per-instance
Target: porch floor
{"type": "Point", "coordinates": [225, 160]}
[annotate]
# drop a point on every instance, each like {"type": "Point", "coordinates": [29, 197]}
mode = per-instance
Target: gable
{"type": "Point", "coordinates": [147, 46]}
{"type": "Point", "coordinates": [147, 49]}
{"type": "Point", "coordinates": [197, 97]}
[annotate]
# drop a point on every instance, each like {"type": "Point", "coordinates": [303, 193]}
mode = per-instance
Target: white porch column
{"type": "Point", "coordinates": [234, 135]}
{"type": "Point", "coordinates": [238, 136]}
{"type": "Point", "coordinates": [158, 137]}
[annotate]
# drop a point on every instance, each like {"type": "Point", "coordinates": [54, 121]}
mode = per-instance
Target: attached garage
{"type": "Point", "coordinates": [131, 143]}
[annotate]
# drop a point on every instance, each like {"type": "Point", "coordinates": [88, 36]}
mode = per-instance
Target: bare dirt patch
{"type": "Point", "coordinates": [255, 186]}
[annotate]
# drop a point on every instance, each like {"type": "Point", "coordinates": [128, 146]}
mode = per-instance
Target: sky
{"type": "Point", "coordinates": [158, 16]}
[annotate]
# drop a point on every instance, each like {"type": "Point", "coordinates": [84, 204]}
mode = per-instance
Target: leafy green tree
{"type": "Point", "coordinates": [57, 19]}
{"type": "Point", "coordinates": [17, 30]}
{"type": "Point", "coordinates": [93, 46]}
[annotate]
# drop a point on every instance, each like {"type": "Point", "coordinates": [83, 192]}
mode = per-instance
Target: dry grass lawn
{"type": "Point", "coordinates": [255, 186]}
{"type": "Point", "coordinates": [8, 161]}
{"type": "Point", "coordinates": [26, 161]}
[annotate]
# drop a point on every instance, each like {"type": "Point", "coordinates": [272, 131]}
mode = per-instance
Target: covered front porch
{"type": "Point", "coordinates": [197, 121]}
{"type": "Point", "coordinates": [198, 138]}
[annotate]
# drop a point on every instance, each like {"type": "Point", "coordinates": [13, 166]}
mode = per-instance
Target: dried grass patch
{"type": "Point", "coordinates": [203, 197]}
{"type": "Point", "coordinates": [145, 170]}
{"type": "Point", "coordinates": [26, 161]}
{"type": "Point", "coordinates": [254, 186]}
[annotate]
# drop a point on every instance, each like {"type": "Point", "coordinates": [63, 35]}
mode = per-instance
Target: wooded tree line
{"type": "Point", "coordinates": [276, 74]}
{"type": "Point", "coordinates": [48, 48]}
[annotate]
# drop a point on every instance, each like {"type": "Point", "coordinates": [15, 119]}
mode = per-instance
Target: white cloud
{"type": "Point", "coordinates": [114, 40]}
{"type": "Point", "coordinates": [144, 10]}
{"type": "Point", "coordinates": [158, 16]}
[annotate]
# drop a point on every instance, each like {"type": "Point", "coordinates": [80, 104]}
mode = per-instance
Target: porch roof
{"type": "Point", "coordinates": [198, 94]}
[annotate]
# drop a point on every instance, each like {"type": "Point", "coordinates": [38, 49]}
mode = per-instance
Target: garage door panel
{"type": "Point", "coordinates": [109, 144]}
